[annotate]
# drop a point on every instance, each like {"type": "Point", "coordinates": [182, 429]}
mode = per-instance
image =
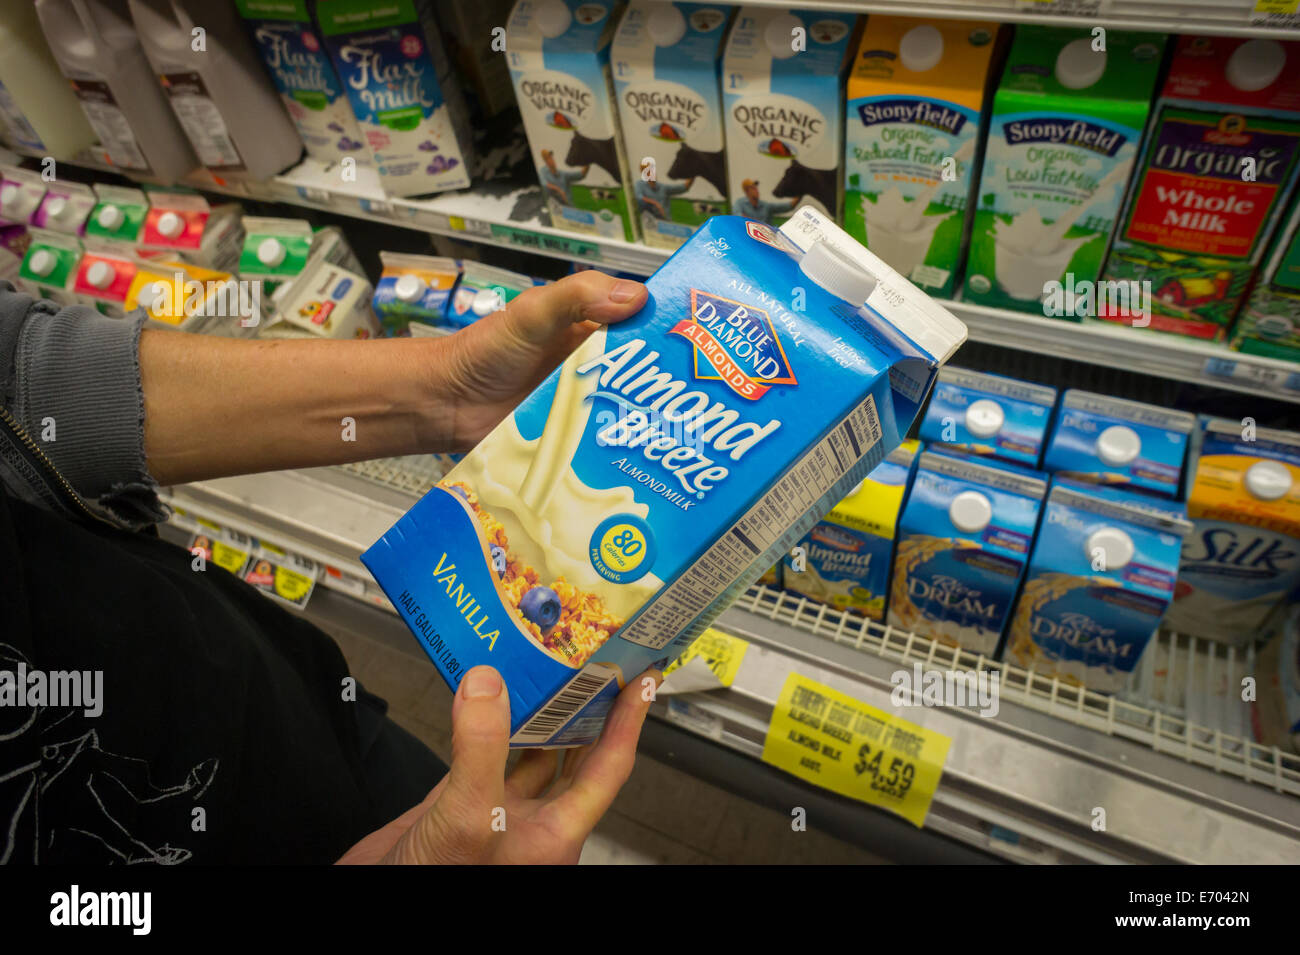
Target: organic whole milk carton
{"type": "Point", "coordinates": [1242, 558]}
{"type": "Point", "coordinates": [665, 66]}
{"type": "Point", "coordinates": [963, 544]}
{"type": "Point", "coordinates": [1066, 126]}
{"type": "Point", "coordinates": [915, 94]}
{"type": "Point", "coordinates": [405, 99]}
{"type": "Point", "coordinates": [1269, 323]}
{"type": "Point", "coordinates": [845, 558]}
{"type": "Point", "coordinates": [989, 415]}
{"type": "Point", "coordinates": [1106, 440]}
{"type": "Point", "coordinates": [1222, 152]}
{"type": "Point", "coordinates": [670, 461]}
{"type": "Point", "coordinates": [781, 87]}
{"type": "Point", "coordinates": [1100, 579]}
{"type": "Point", "coordinates": [559, 61]}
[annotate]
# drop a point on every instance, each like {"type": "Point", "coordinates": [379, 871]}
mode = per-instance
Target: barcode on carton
{"type": "Point", "coordinates": [566, 704]}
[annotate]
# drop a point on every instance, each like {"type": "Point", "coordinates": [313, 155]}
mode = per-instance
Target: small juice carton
{"type": "Point", "coordinates": [49, 265]}
{"type": "Point", "coordinates": [413, 288]}
{"type": "Point", "coordinates": [184, 225]}
{"type": "Point", "coordinates": [21, 191]}
{"type": "Point", "coordinates": [64, 208]}
{"type": "Point", "coordinates": [118, 216]}
{"type": "Point", "coordinates": [989, 415]}
{"type": "Point", "coordinates": [963, 545]}
{"type": "Point", "coordinates": [482, 290]}
{"type": "Point", "coordinates": [325, 301]}
{"type": "Point", "coordinates": [102, 280]}
{"type": "Point", "coordinates": [176, 295]}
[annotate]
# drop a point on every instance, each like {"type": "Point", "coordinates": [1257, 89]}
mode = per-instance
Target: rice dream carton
{"type": "Point", "coordinates": [1269, 323]}
{"type": "Point", "coordinates": [845, 558]}
{"type": "Point", "coordinates": [1221, 155]}
{"type": "Point", "coordinates": [1106, 440]}
{"type": "Point", "coordinates": [915, 95]}
{"type": "Point", "coordinates": [989, 416]}
{"type": "Point", "coordinates": [559, 62]}
{"type": "Point", "coordinates": [406, 101]}
{"type": "Point", "coordinates": [1066, 126]}
{"type": "Point", "coordinates": [1100, 579]}
{"type": "Point", "coordinates": [963, 544]}
{"type": "Point", "coordinates": [785, 110]}
{"type": "Point", "coordinates": [665, 65]}
{"type": "Point", "coordinates": [1242, 558]}
{"type": "Point", "coordinates": [663, 467]}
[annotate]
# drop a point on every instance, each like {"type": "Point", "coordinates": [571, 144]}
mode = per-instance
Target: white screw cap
{"type": "Point", "coordinates": [110, 217]}
{"type": "Point", "coordinates": [170, 225]}
{"type": "Point", "coordinates": [984, 418]}
{"type": "Point", "coordinates": [101, 274]}
{"type": "Point", "coordinates": [921, 48]}
{"type": "Point", "coordinates": [1078, 65]}
{"type": "Point", "coordinates": [970, 512]}
{"type": "Point", "coordinates": [1255, 65]}
{"type": "Point", "coordinates": [486, 301]}
{"type": "Point", "coordinates": [42, 262]}
{"type": "Point", "coordinates": [1113, 545]}
{"type": "Point", "coordinates": [552, 18]}
{"type": "Point", "coordinates": [271, 252]}
{"type": "Point", "coordinates": [56, 206]}
{"type": "Point", "coordinates": [8, 193]}
{"type": "Point", "coordinates": [666, 24]}
{"type": "Point", "coordinates": [837, 274]}
{"type": "Point", "coordinates": [779, 35]}
{"type": "Point", "coordinates": [409, 288]}
{"type": "Point", "coordinates": [1268, 480]}
{"type": "Point", "coordinates": [1118, 445]}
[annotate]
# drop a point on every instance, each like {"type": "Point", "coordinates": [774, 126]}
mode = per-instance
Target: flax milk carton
{"type": "Point", "coordinates": [963, 544]}
{"type": "Point", "coordinates": [1106, 440]}
{"type": "Point", "coordinates": [1222, 152]}
{"type": "Point", "coordinates": [845, 558]}
{"type": "Point", "coordinates": [915, 95]}
{"type": "Point", "coordinates": [1066, 126]}
{"type": "Point", "coordinates": [665, 66]}
{"type": "Point", "coordinates": [406, 101]}
{"type": "Point", "coordinates": [1100, 579]}
{"type": "Point", "coordinates": [781, 86]}
{"type": "Point", "coordinates": [989, 415]}
{"type": "Point", "coordinates": [663, 467]}
{"type": "Point", "coordinates": [1242, 558]}
{"type": "Point", "coordinates": [559, 61]}
{"type": "Point", "coordinates": [1269, 323]}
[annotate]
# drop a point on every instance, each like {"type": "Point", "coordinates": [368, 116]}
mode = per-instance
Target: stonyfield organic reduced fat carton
{"type": "Point", "coordinates": [559, 61]}
{"type": "Point", "coordinates": [915, 95]}
{"type": "Point", "coordinates": [989, 415]}
{"type": "Point", "coordinates": [1067, 123]}
{"type": "Point", "coordinates": [663, 467]}
{"type": "Point", "coordinates": [963, 544]}
{"type": "Point", "coordinates": [782, 90]}
{"type": "Point", "coordinates": [665, 64]}
{"type": "Point", "coordinates": [845, 558]}
{"type": "Point", "coordinates": [1269, 323]}
{"type": "Point", "coordinates": [1221, 156]}
{"type": "Point", "coordinates": [1100, 579]}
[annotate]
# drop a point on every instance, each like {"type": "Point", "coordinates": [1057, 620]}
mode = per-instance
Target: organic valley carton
{"type": "Point", "coordinates": [1106, 440]}
{"type": "Point", "coordinates": [670, 461]}
{"type": "Point", "coordinates": [1269, 323]}
{"type": "Point", "coordinates": [1221, 156]}
{"type": "Point", "coordinates": [963, 543]}
{"type": "Point", "coordinates": [406, 101]}
{"type": "Point", "coordinates": [665, 66]}
{"type": "Point", "coordinates": [1066, 126]}
{"type": "Point", "coordinates": [846, 557]}
{"type": "Point", "coordinates": [559, 61]}
{"type": "Point", "coordinates": [782, 90]}
{"type": "Point", "coordinates": [1242, 558]}
{"type": "Point", "coordinates": [915, 95]}
{"type": "Point", "coordinates": [989, 415]}
{"type": "Point", "coordinates": [1100, 579]}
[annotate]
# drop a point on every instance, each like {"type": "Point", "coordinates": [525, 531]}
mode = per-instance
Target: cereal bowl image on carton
{"type": "Point", "coordinates": [666, 465]}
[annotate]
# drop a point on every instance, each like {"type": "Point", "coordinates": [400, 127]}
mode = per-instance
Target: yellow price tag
{"type": "Point", "coordinates": [228, 558]}
{"type": "Point", "coordinates": [293, 586]}
{"type": "Point", "coordinates": [828, 738]}
{"type": "Point", "coordinates": [1276, 6]}
{"type": "Point", "coordinates": [457, 223]}
{"type": "Point", "coordinates": [721, 651]}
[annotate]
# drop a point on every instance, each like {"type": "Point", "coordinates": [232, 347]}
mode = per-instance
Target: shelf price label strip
{"type": "Point", "coordinates": [834, 741]}
{"type": "Point", "coordinates": [720, 651]}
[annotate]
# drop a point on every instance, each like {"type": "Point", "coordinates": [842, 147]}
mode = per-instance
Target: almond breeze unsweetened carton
{"type": "Point", "coordinates": [989, 415]}
{"type": "Point", "coordinates": [663, 467]}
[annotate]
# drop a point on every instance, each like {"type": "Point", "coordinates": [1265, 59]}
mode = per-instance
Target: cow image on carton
{"type": "Point", "coordinates": [666, 465]}
{"type": "Point", "coordinates": [989, 415]}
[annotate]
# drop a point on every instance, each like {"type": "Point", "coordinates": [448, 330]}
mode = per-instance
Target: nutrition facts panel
{"type": "Point", "coordinates": [758, 529]}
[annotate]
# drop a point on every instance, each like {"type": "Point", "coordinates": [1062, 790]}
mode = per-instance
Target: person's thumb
{"type": "Point", "coordinates": [542, 314]}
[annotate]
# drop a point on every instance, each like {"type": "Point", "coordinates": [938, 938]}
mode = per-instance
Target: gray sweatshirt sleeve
{"type": "Point", "coordinates": [70, 377]}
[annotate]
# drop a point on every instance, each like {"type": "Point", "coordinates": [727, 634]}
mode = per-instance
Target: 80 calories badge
{"type": "Point", "coordinates": [622, 548]}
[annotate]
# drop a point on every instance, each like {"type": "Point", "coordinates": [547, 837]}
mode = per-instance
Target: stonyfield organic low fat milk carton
{"type": "Point", "coordinates": [1066, 126]}
{"type": "Point", "coordinates": [665, 65]}
{"type": "Point", "coordinates": [844, 561]}
{"type": "Point", "coordinates": [663, 467]}
{"type": "Point", "coordinates": [915, 94]}
{"type": "Point", "coordinates": [559, 61]}
{"type": "Point", "coordinates": [989, 415]}
{"type": "Point", "coordinates": [782, 90]}
{"type": "Point", "coordinates": [1100, 579]}
{"type": "Point", "coordinates": [1269, 323]}
{"type": "Point", "coordinates": [406, 101]}
{"type": "Point", "coordinates": [963, 544]}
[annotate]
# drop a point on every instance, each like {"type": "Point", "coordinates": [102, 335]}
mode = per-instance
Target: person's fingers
{"type": "Point", "coordinates": [534, 772]}
{"type": "Point", "coordinates": [541, 314]}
